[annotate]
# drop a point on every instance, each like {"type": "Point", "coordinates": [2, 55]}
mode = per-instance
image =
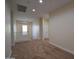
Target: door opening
{"type": "Point", "coordinates": [23, 31]}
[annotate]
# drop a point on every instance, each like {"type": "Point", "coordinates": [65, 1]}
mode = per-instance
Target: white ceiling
{"type": "Point", "coordinates": [41, 9]}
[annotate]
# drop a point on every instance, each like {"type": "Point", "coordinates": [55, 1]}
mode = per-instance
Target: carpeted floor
{"type": "Point", "coordinates": [38, 49]}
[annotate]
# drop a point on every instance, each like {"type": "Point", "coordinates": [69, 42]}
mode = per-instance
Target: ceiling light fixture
{"type": "Point", "coordinates": [33, 10]}
{"type": "Point", "coordinates": [40, 1]}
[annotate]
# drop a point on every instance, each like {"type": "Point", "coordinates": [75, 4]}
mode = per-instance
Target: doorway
{"type": "Point", "coordinates": [23, 31]}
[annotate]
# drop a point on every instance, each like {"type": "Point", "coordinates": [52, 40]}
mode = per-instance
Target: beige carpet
{"type": "Point", "coordinates": [38, 49]}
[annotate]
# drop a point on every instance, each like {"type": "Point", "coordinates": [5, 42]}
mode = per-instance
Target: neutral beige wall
{"type": "Point", "coordinates": [44, 20]}
{"type": "Point", "coordinates": [61, 27]}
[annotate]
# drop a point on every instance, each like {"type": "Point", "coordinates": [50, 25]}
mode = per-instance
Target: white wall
{"type": "Point", "coordinates": [7, 29]}
{"type": "Point", "coordinates": [61, 27]}
{"type": "Point", "coordinates": [36, 29]}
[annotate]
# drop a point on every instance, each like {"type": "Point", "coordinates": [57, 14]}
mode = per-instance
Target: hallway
{"type": "Point", "coordinates": [39, 49]}
{"type": "Point", "coordinates": [39, 30]}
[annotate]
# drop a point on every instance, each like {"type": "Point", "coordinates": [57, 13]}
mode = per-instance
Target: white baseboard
{"type": "Point", "coordinates": [9, 58]}
{"type": "Point", "coordinates": [10, 53]}
{"type": "Point", "coordinates": [61, 47]}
